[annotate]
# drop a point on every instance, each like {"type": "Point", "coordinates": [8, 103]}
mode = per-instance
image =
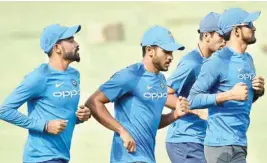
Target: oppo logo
{"type": "Point", "coordinates": [155, 95]}
{"type": "Point", "coordinates": [64, 94]}
{"type": "Point", "coordinates": [246, 76]}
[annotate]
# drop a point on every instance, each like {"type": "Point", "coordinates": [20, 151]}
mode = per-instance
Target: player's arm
{"type": "Point", "coordinates": [116, 87]}
{"type": "Point", "coordinates": [176, 81]}
{"type": "Point", "coordinates": [96, 103]}
{"type": "Point", "coordinates": [29, 89]}
{"type": "Point", "coordinates": [83, 114]}
{"type": "Point", "coordinates": [171, 99]}
{"type": "Point", "coordinates": [258, 87]}
{"type": "Point", "coordinates": [200, 97]}
{"type": "Point", "coordinates": [182, 108]}
{"type": "Point", "coordinates": [171, 102]}
{"type": "Point", "coordinates": [185, 71]}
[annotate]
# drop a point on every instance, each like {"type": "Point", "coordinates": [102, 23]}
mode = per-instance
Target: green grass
{"type": "Point", "coordinates": [21, 53]}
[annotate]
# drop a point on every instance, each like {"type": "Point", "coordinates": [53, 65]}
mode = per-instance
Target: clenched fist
{"type": "Point", "coordinates": [83, 113]}
{"type": "Point", "coordinates": [182, 107]}
{"type": "Point", "coordinates": [56, 126]}
{"type": "Point", "coordinates": [258, 85]}
{"type": "Point", "coordinates": [239, 92]}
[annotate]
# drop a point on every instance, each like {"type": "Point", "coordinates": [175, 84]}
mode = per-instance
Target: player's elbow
{"type": "Point", "coordinates": [3, 112]}
{"type": "Point", "coordinates": [93, 102]}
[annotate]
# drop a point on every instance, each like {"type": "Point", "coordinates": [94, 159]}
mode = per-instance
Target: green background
{"type": "Point", "coordinates": [21, 25]}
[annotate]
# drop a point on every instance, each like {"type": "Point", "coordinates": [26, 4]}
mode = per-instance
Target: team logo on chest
{"type": "Point", "coordinates": [162, 85]}
{"type": "Point", "coordinates": [66, 92]}
{"type": "Point", "coordinates": [74, 83]}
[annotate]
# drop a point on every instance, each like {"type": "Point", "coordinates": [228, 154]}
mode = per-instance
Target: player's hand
{"type": "Point", "coordinates": [258, 85]}
{"type": "Point", "coordinates": [201, 113]}
{"type": "Point", "coordinates": [83, 113]}
{"type": "Point", "coordinates": [182, 107]}
{"type": "Point", "coordinates": [128, 141]}
{"type": "Point", "coordinates": [56, 126]}
{"type": "Point", "coordinates": [239, 92]}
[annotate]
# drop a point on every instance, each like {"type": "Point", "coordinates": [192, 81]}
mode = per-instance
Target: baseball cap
{"type": "Point", "coordinates": [210, 23]}
{"type": "Point", "coordinates": [235, 16]}
{"type": "Point", "coordinates": [54, 33]}
{"type": "Point", "coordinates": [161, 37]}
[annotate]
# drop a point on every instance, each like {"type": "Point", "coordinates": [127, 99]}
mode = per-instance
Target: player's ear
{"type": "Point", "coordinates": [237, 31]}
{"type": "Point", "coordinates": [150, 51]}
{"type": "Point", "coordinates": [57, 48]}
{"type": "Point", "coordinates": [207, 36]}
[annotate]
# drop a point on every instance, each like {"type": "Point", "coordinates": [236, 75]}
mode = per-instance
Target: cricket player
{"type": "Point", "coordinates": [228, 85]}
{"type": "Point", "coordinates": [139, 92]}
{"type": "Point", "coordinates": [185, 136]}
{"type": "Point", "coordinates": [52, 93]}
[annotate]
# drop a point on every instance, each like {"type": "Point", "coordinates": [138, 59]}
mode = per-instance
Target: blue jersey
{"type": "Point", "coordinates": [189, 128]}
{"type": "Point", "coordinates": [139, 98]}
{"type": "Point", "coordinates": [227, 122]}
{"type": "Point", "coordinates": [50, 95]}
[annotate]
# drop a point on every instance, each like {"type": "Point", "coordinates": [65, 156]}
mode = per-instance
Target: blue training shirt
{"type": "Point", "coordinates": [50, 95]}
{"type": "Point", "coordinates": [189, 128]}
{"type": "Point", "coordinates": [139, 98]}
{"type": "Point", "coordinates": [228, 122]}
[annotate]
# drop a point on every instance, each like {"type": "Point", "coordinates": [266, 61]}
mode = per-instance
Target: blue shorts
{"type": "Point", "coordinates": [186, 152]}
{"type": "Point", "coordinates": [55, 161]}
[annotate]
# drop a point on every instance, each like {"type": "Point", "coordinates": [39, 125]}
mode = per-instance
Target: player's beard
{"type": "Point", "coordinates": [72, 56]}
{"type": "Point", "coordinates": [248, 40]}
{"type": "Point", "coordinates": [156, 62]}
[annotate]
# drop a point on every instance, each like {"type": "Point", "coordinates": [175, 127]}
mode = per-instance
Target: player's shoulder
{"type": "Point", "coordinates": [224, 54]}
{"type": "Point", "coordinates": [219, 59]}
{"type": "Point", "coordinates": [134, 70]}
{"type": "Point", "coordinates": [39, 72]}
{"type": "Point", "coordinates": [37, 76]}
{"type": "Point", "coordinates": [193, 58]}
{"type": "Point", "coordinates": [249, 56]}
{"type": "Point", "coordinates": [190, 61]}
{"type": "Point", "coordinates": [219, 55]}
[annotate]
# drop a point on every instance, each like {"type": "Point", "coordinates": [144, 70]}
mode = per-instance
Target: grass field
{"type": "Point", "coordinates": [21, 26]}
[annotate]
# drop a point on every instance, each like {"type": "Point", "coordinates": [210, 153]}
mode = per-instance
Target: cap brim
{"type": "Point", "coordinates": [70, 32]}
{"type": "Point", "coordinates": [172, 47]}
{"type": "Point", "coordinates": [252, 17]}
{"type": "Point", "coordinates": [220, 32]}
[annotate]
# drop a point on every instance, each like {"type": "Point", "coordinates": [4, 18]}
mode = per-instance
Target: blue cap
{"type": "Point", "coordinates": [55, 32]}
{"type": "Point", "coordinates": [161, 37]}
{"type": "Point", "coordinates": [210, 23]}
{"type": "Point", "coordinates": [235, 16]}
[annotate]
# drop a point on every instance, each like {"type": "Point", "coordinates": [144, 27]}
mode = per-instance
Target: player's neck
{"type": "Point", "coordinates": [237, 46]}
{"type": "Point", "coordinates": [58, 63]}
{"type": "Point", "coordinates": [204, 50]}
{"type": "Point", "coordinates": [149, 66]}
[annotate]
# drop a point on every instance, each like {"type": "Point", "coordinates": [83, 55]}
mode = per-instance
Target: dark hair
{"type": "Point", "coordinates": [59, 41]}
{"type": "Point", "coordinates": [144, 49]}
{"type": "Point", "coordinates": [227, 36]}
{"type": "Point", "coordinates": [49, 54]}
{"type": "Point", "coordinates": [201, 35]}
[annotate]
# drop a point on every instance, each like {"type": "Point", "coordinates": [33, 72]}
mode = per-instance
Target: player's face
{"type": "Point", "coordinates": [162, 59]}
{"type": "Point", "coordinates": [70, 49]}
{"type": "Point", "coordinates": [248, 33]}
{"type": "Point", "coordinates": [216, 42]}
